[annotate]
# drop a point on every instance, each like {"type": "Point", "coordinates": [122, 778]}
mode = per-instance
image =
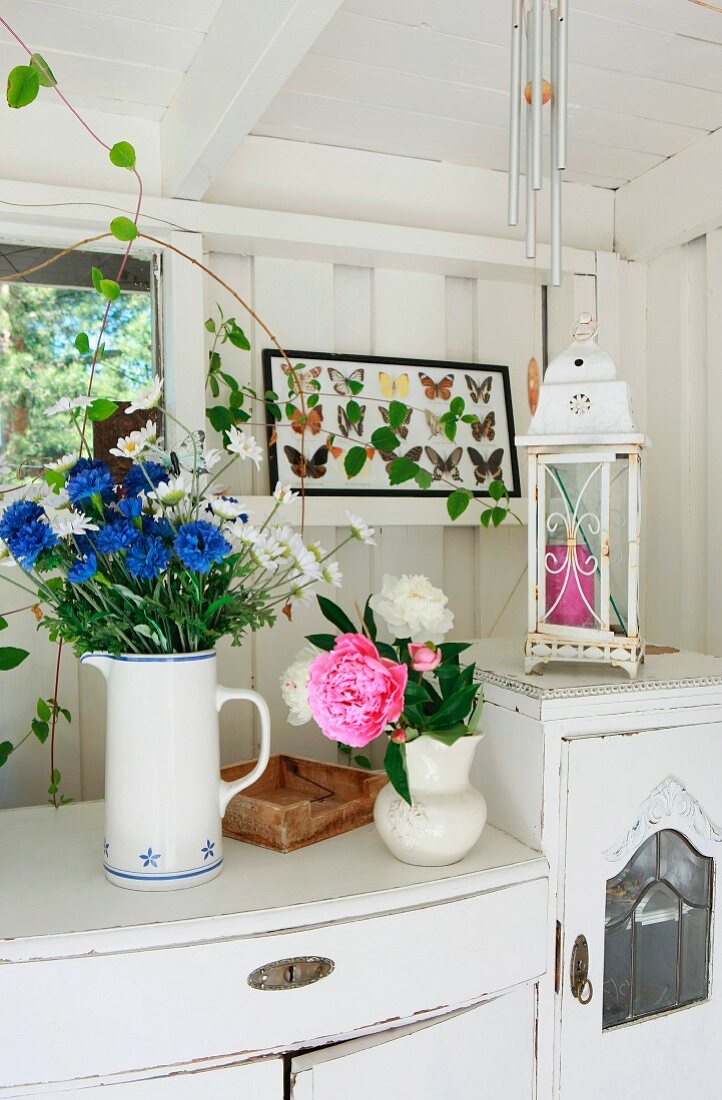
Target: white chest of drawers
{"type": "Point", "coordinates": [148, 994]}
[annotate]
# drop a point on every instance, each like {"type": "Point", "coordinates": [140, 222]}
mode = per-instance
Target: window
{"type": "Point", "coordinates": [40, 316]}
{"type": "Point", "coordinates": [657, 930]}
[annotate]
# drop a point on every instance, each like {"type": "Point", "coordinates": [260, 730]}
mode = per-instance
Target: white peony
{"type": "Point", "coordinates": [294, 687]}
{"type": "Point", "coordinates": [413, 608]}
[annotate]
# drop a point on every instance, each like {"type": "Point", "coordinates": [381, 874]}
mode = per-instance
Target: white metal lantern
{"type": "Point", "coordinates": [584, 512]}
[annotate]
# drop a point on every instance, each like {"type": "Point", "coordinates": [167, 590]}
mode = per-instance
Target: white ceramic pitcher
{"type": "Point", "coordinates": [164, 798]}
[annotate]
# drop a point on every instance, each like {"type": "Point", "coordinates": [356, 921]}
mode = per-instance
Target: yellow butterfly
{"type": "Point", "coordinates": [393, 387]}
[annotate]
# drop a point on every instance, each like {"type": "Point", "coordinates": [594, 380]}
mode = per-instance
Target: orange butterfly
{"type": "Point", "coordinates": [312, 422]}
{"type": "Point", "coordinates": [436, 391]}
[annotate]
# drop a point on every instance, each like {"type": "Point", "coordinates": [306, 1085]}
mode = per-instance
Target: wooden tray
{"type": "Point", "coordinates": [298, 802]}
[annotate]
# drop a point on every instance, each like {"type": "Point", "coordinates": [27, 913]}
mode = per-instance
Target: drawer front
{"type": "Point", "coordinates": [157, 1008]}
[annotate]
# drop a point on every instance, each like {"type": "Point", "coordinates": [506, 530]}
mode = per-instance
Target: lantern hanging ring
{"type": "Point", "coordinates": [585, 328]}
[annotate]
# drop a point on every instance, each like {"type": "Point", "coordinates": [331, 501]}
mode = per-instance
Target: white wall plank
{"type": "Point", "coordinates": [714, 441]}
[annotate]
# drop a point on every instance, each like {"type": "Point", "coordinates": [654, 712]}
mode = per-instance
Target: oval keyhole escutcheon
{"type": "Point", "coordinates": [290, 973]}
{"type": "Point", "coordinates": [579, 971]}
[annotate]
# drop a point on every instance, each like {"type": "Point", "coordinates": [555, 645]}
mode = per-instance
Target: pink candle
{"type": "Point", "coordinates": [576, 586]}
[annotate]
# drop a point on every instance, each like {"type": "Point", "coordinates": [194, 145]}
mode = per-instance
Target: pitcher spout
{"type": "Point", "coordinates": [103, 661]}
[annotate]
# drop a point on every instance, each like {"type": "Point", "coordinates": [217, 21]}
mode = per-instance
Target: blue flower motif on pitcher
{"type": "Point", "coordinates": [149, 858]}
{"type": "Point", "coordinates": [208, 850]}
{"type": "Point", "coordinates": [106, 848]}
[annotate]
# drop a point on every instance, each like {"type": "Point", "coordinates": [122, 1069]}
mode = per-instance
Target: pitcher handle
{"type": "Point", "coordinates": [224, 695]}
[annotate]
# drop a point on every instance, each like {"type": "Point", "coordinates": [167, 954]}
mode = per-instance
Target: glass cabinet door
{"type": "Point", "coordinates": [657, 930]}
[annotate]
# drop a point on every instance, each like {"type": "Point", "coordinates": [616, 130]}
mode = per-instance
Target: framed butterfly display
{"type": "Point", "coordinates": [315, 448]}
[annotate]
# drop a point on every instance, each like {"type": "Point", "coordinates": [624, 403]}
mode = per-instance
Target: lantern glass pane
{"type": "Point", "coordinates": [571, 554]}
{"type": "Point", "coordinates": [619, 545]}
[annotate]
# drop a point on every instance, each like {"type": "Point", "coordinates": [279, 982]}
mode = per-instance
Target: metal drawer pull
{"type": "Point", "coordinates": [290, 973]}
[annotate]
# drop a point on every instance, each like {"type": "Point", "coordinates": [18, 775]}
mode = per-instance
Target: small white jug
{"type": "Point", "coordinates": [164, 798]}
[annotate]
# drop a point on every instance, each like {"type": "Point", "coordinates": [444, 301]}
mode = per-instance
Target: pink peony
{"type": "Point", "coordinates": [354, 693]}
{"type": "Point", "coordinates": [424, 658]}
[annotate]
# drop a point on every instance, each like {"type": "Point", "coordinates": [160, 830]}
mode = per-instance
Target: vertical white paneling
{"type": "Point", "coordinates": [714, 441]}
{"type": "Point", "coordinates": [183, 332]}
{"type": "Point", "coordinates": [353, 311]}
{"type": "Point", "coordinates": [564, 304]}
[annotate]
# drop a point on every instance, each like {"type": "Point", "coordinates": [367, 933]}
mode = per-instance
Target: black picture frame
{"type": "Point", "coordinates": [274, 381]}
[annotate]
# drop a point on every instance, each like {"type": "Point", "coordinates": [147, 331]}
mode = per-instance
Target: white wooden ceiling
{"type": "Point", "coordinates": [428, 78]}
{"type": "Point", "coordinates": [123, 56]}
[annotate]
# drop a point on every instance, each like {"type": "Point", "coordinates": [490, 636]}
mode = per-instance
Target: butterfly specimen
{"type": "Point", "coordinates": [303, 467]}
{"type": "Point", "coordinates": [486, 467]}
{"type": "Point", "coordinates": [479, 391]}
{"type": "Point", "coordinates": [300, 380]}
{"type": "Point", "coordinates": [403, 429]}
{"type": "Point", "coordinates": [434, 423]}
{"type": "Point", "coordinates": [437, 391]}
{"type": "Point", "coordinates": [484, 429]}
{"type": "Point", "coordinates": [340, 382]}
{"type": "Point", "coordinates": [445, 466]}
{"type": "Point", "coordinates": [312, 422]}
{"type": "Point", "coordinates": [345, 426]}
{"type": "Point", "coordinates": [414, 454]}
{"type": "Point", "coordinates": [187, 455]}
{"type": "Point", "coordinates": [393, 387]}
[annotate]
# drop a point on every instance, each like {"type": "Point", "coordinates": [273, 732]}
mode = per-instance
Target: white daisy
{"type": "Point", "coordinates": [284, 494]}
{"type": "Point", "coordinates": [304, 560]}
{"type": "Point", "coordinates": [317, 550]}
{"type": "Point", "coordinates": [261, 558]}
{"type": "Point", "coordinates": [332, 574]}
{"type": "Point", "coordinates": [172, 491]}
{"type": "Point", "coordinates": [244, 445]}
{"type": "Point", "coordinates": [69, 405]}
{"type": "Point", "coordinates": [300, 595]}
{"type": "Point", "coordinates": [147, 398]}
{"type": "Point", "coordinates": [227, 507]}
{"type": "Point", "coordinates": [361, 530]}
{"type": "Point", "coordinates": [62, 465]}
{"type": "Point", "coordinates": [130, 446]}
{"type": "Point", "coordinates": [211, 458]}
{"type": "Point", "coordinates": [244, 532]}
{"type": "Point", "coordinates": [68, 523]}
{"type": "Point", "coordinates": [6, 557]}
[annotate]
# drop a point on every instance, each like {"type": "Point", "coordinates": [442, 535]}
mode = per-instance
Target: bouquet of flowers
{"type": "Point", "coordinates": [358, 688]}
{"type": "Point", "coordinates": [167, 562]}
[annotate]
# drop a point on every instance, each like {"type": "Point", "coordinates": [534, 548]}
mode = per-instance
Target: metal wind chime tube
{"type": "Point", "coordinates": [515, 96]}
{"type": "Point", "coordinates": [530, 196]}
{"type": "Point", "coordinates": [528, 24]}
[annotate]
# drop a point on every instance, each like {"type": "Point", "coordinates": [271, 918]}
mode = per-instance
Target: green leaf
{"type": "Point", "coordinates": [291, 410]}
{"type": "Point", "coordinates": [82, 343]}
{"type": "Point", "coordinates": [449, 736]}
{"type": "Point", "coordinates": [45, 73]}
{"type": "Point", "coordinates": [23, 86]}
{"type": "Point", "coordinates": [457, 503]}
{"type": "Point", "coordinates": [312, 401]}
{"type": "Point", "coordinates": [497, 490]}
{"type": "Point", "coordinates": [354, 461]}
{"type": "Point", "coordinates": [97, 276]}
{"type": "Point", "coordinates": [402, 469]}
{"type": "Point", "coordinates": [41, 730]}
{"type": "Point", "coordinates": [65, 713]}
{"type": "Point", "coordinates": [395, 764]}
{"type": "Point", "coordinates": [213, 385]}
{"type": "Point", "coordinates": [335, 615]}
{"type": "Point", "coordinates": [122, 155]}
{"type": "Point", "coordinates": [101, 409]}
{"type": "Point", "coordinates": [239, 339]}
{"type": "Point", "coordinates": [6, 747]}
{"type": "Point", "coordinates": [383, 439]}
{"type": "Point", "coordinates": [123, 229]}
{"type": "Point", "coordinates": [456, 707]}
{"type": "Point", "coordinates": [3, 623]}
{"type": "Point", "coordinates": [397, 414]}
{"type": "Point", "coordinates": [485, 518]}
{"type": "Point", "coordinates": [44, 711]}
{"type": "Point", "coordinates": [476, 713]}
{"type": "Point", "coordinates": [11, 657]}
{"type": "Point", "coordinates": [450, 429]}
{"type": "Point", "coordinates": [56, 776]}
{"type": "Point", "coordinates": [220, 417]}
{"type": "Point", "coordinates": [457, 406]}
{"type": "Point", "coordinates": [369, 620]}
{"type": "Point", "coordinates": [210, 325]}
{"type": "Point", "coordinates": [450, 650]}
{"type": "Point", "coordinates": [423, 478]}
{"type": "Point", "coordinates": [415, 692]}
{"type": "Point", "coordinates": [353, 411]}
{"type": "Point", "coordinates": [354, 386]}
{"type": "Point", "coordinates": [324, 642]}
{"type": "Point", "coordinates": [345, 749]}
{"type": "Point", "coordinates": [498, 515]}
{"type": "Point", "coordinates": [363, 762]}
{"type": "Point", "coordinates": [109, 289]}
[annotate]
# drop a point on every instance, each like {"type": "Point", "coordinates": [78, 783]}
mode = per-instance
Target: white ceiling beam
{"type": "Point", "coordinates": [245, 59]}
{"type": "Point", "coordinates": [672, 203]}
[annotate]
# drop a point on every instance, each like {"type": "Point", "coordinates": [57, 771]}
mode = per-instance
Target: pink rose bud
{"type": "Point", "coordinates": [424, 658]}
{"type": "Point", "coordinates": [399, 736]}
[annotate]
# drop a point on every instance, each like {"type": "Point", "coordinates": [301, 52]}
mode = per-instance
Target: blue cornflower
{"type": "Point", "coordinates": [158, 527]}
{"type": "Point", "coordinates": [83, 569]}
{"type": "Point", "coordinates": [117, 535]}
{"type": "Point", "coordinates": [90, 482]}
{"type": "Point", "coordinates": [200, 544]}
{"type": "Point", "coordinates": [139, 477]}
{"type": "Point", "coordinates": [130, 507]}
{"type": "Point", "coordinates": [17, 516]}
{"type": "Point", "coordinates": [147, 557]}
{"type": "Point", "coordinates": [84, 464]}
